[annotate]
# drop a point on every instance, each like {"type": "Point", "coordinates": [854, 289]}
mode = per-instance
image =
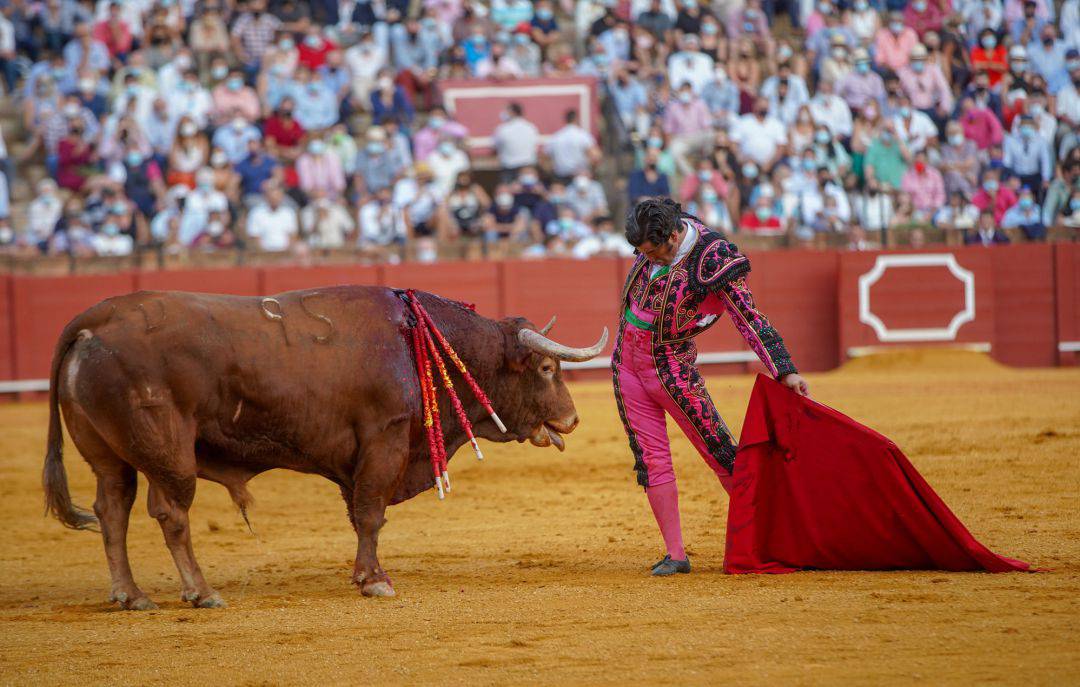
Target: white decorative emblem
{"type": "Point", "coordinates": [884, 262]}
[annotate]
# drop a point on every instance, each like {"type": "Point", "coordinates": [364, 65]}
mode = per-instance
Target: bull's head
{"type": "Point", "coordinates": [545, 410]}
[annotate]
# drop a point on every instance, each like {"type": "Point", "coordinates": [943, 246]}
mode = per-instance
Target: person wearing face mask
{"type": "Point", "coordinates": [786, 92]}
{"type": "Point", "coordinates": [377, 164]}
{"type": "Point", "coordinates": [761, 139]}
{"type": "Point", "coordinates": [586, 196]}
{"type": "Point", "coordinates": [926, 88]}
{"type": "Point", "coordinates": [864, 21]}
{"type": "Point", "coordinates": [862, 85]}
{"type": "Point", "coordinates": [516, 141]}
{"type": "Point", "coordinates": [233, 137]}
{"type": "Point", "coordinates": [1048, 60]}
{"type": "Point", "coordinates": [1026, 216]}
{"type": "Point", "coordinates": [1064, 186]}
{"type": "Point", "coordinates": [317, 105]}
{"type": "Point", "coordinates": [925, 186]}
{"type": "Point", "coordinates": [1068, 98]}
{"type": "Point", "coordinates": [690, 65]}
{"type": "Point", "coordinates": [439, 125]}
{"type": "Point", "coordinates": [43, 212]}
{"type": "Point", "coordinates": [959, 161]}
{"type": "Point", "coordinates": [894, 42]}
{"type": "Point", "coordinates": [144, 183]}
{"type": "Point", "coordinates": [1025, 29]}
{"type": "Point", "coordinates": [1029, 157]}
{"type": "Point", "coordinates": [544, 27]}
{"type": "Point", "coordinates": [706, 176]}
{"type": "Point", "coordinates": [648, 181]}
{"type": "Point", "coordinates": [231, 97]}
{"type": "Point", "coordinates": [993, 195]}
{"type": "Point", "coordinates": [446, 162]}
{"type": "Point", "coordinates": [389, 100]}
{"type": "Point", "coordinates": [990, 57]}
{"type": "Point", "coordinates": [505, 221]}
{"type": "Point", "coordinates": [886, 159]}
{"type": "Point", "coordinates": [688, 125]}
{"type": "Point", "coordinates": [318, 170]}
{"type": "Point", "coordinates": [416, 45]}
{"type": "Point", "coordinates": [924, 15]}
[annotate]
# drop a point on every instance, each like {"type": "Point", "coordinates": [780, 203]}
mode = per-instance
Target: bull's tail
{"type": "Point", "coordinates": [53, 475]}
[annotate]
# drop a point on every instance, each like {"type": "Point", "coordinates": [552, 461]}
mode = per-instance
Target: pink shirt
{"type": "Point", "coordinates": [692, 184]}
{"type": "Point", "coordinates": [927, 190]}
{"type": "Point", "coordinates": [320, 173]}
{"type": "Point", "coordinates": [1000, 202]}
{"type": "Point", "coordinates": [983, 127]}
{"type": "Point", "coordinates": [226, 102]}
{"type": "Point", "coordinates": [427, 139]}
{"type": "Point", "coordinates": [927, 90]}
{"type": "Point", "coordinates": [892, 51]}
{"type": "Point", "coordinates": [686, 118]}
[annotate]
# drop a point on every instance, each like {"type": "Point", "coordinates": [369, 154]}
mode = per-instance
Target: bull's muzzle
{"type": "Point", "coordinates": [551, 433]}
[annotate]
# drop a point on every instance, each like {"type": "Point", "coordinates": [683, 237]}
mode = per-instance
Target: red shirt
{"type": "Point", "coordinates": [1002, 201]}
{"type": "Point", "coordinates": [118, 43]}
{"type": "Point", "coordinates": [999, 64]}
{"type": "Point", "coordinates": [285, 134]}
{"type": "Point", "coordinates": [313, 58]}
{"type": "Point", "coordinates": [752, 223]}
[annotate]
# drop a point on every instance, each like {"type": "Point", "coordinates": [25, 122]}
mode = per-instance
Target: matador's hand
{"type": "Point", "coordinates": [796, 383]}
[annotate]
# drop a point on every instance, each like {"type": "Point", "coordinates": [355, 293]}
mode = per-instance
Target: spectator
{"type": "Point", "coordinates": [989, 57]}
{"type": "Point", "coordinates": [516, 141]}
{"type": "Point", "coordinates": [438, 127]}
{"type": "Point", "coordinates": [319, 171]}
{"type": "Point", "coordinates": [980, 124]}
{"type": "Point", "coordinates": [648, 181]}
{"type": "Point", "coordinates": [762, 219]}
{"type": "Point", "coordinates": [465, 207]}
{"type": "Point", "coordinates": [255, 170]}
{"type": "Point", "coordinates": [447, 163]}
{"type": "Point", "coordinates": [75, 158]}
{"type": "Point", "coordinates": [586, 196]}
{"type": "Point", "coordinates": [233, 139]}
{"type": "Point", "coordinates": [272, 224]}
{"type": "Point", "coordinates": [959, 161]}
{"type": "Point", "coordinates": [862, 86]}
{"type": "Point", "coordinates": [688, 124]}
{"type": "Point", "coordinates": [381, 223]}
{"type": "Point", "coordinates": [377, 165]}
{"type": "Point", "coordinates": [504, 222]}
{"type": "Point", "coordinates": [925, 86]}
{"type": "Point", "coordinates": [571, 149]}
{"type": "Point", "coordinates": [986, 233]}
{"type": "Point", "coordinates": [893, 43]}
{"type": "Point", "coordinates": [1027, 156]}
{"type": "Point", "coordinates": [232, 99]}
{"type": "Point", "coordinates": [831, 111]}
{"type": "Point", "coordinates": [389, 101]}
{"type": "Point", "coordinates": [283, 133]}
{"type": "Point", "coordinates": [144, 183]}
{"type": "Point", "coordinates": [993, 196]}
{"type": "Point", "coordinates": [786, 93]}
{"type": "Point", "coordinates": [325, 222]}
{"type": "Point", "coordinates": [1026, 216]}
{"type": "Point", "coordinates": [43, 212]}
{"type": "Point", "coordinates": [956, 219]}
{"type": "Point", "coordinates": [886, 159]}
{"type": "Point", "coordinates": [914, 128]}
{"type": "Point", "coordinates": [761, 138]}
{"type": "Point", "coordinates": [925, 186]}
{"type": "Point", "coordinates": [365, 61]}
{"type": "Point", "coordinates": [253, 33]}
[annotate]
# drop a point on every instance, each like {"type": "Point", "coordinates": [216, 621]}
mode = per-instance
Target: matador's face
{"type": "Point", "coordinates": [664, 253]}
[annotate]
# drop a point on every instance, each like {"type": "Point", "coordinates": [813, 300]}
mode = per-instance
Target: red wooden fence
{"type": "Point", "coordinates": [1022, 303]}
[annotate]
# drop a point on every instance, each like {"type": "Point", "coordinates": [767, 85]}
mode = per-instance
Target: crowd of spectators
{"type": "Point", "coordinates": [304, 126]}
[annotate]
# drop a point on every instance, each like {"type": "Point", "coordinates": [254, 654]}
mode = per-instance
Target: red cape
{"type": "Point", "coordinates": [814, 489]}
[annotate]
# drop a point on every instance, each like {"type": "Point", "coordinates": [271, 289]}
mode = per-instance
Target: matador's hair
{"type": "Point", "coordinates": [654, 220]}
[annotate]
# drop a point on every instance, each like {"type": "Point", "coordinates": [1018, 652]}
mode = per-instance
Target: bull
{"type": "Point", "coordinates": [179, 386]}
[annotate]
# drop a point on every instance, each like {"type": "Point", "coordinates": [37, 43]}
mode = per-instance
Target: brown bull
{"type": "Point", "coordinates": [178, 386]}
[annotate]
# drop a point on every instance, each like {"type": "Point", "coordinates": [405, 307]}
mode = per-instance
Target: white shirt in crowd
{"type": "Point", "coordinates": [916, 133]}
{"type": "Point", "coordinates": [602, 242]}
{"type": "Point", "coordinates": [116, 245]}
{"type": "Point", "coordinates": [380, 223]}
{"type": "Point", "coordinates": [445, 168]}
{"type": "Point", "coordinates": [758, 140]}
{"type": "Point", "coordinates": [693, 66]}
{"type": "Point", "coordinates": [569, 149]}
{"type": "Point", "coordinates": [328, 229]}
{"type": "Point", "coordinates": [273, 228]}
{"type": "Point", "coordinates": [516, 143]}
{"type": "Point", "coordinates": [833, 113]}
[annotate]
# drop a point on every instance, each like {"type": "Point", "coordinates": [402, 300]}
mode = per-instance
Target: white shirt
{"type": "Point", "coordinates": [603, 242]}
{"type": "Point", "coordinates": [516, 142]}
{"type": "Point", "coordinates": [916, 134]}
{"type": "Point", "coordinates": [380, 224]}
{"type": "Point", "coordinates": [273, 228]}
{"type": "Point", "coordinates": [695, 67]}
{"type": "Point", "coordinates": [328, 231]}
{"type": "Point", "coordinates": [121, 244]}
{"type": "Point", "coordinates": [758, 140]}
{"type": "Point", "coordinates": [445, 169]}
{"type": "Point", "coordinates": [42, 216]}
{"type": "Point", "coordinates": [569, 149]}
{"type": "Point", "coordinates": [833, 113]}
{"type": "Point", "coordinates": [1068, 103]}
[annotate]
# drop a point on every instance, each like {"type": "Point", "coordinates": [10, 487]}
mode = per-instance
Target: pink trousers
{"type": "Point", "coordinates": [654, 381]}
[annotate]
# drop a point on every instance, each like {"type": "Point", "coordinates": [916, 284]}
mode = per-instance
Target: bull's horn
{"type": "Point", "coordinates": [541, 344]}
{"type": "Point", "coordinates": [547, 327]}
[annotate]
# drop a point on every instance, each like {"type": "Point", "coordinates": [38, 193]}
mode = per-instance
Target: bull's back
{"type": "Point", "coordinates": [297, 370]}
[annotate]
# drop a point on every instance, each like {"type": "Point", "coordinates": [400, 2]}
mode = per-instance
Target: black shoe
{"type": "Point", "coordinates": [670, 566]}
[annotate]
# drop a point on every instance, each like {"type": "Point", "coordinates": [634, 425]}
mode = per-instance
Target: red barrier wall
{"type": "Point", "coordinates": [1067, 277]}
{"type": "Point", "coordinates": [1027, 299]}
{"type": "Point", "coordinates": [42, 308]}
{"type": "Point", "coordinates": [7, 332]}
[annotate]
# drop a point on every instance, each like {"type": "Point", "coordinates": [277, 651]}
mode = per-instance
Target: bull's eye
{"type": "Point", "coordinates": [547, 369]}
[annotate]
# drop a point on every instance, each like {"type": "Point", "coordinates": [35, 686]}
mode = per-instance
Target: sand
{"type": "Point", "coordinates": [534, 569]}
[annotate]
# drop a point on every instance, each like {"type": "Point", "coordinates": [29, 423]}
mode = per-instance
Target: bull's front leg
{"type": "Point", "coordinates": [382, 463]}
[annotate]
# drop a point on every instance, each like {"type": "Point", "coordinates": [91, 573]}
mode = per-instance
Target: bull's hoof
{"type": "Point", "coordinates": [380, 588]}
{"type": "Point", "coordinates": [212, 601]}
{"type": "Point", "coordinates": [143, 603]}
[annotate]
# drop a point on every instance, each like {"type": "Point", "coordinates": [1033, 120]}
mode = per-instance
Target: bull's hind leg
{"type": "Point", "coordinates": [169, 500]}
{"type": "Point", "coordinates": [116, 487]}
{"type": "Point", "coordinates": [382, 463]}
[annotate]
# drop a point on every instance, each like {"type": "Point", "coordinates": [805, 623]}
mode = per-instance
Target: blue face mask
{"type": "Point", "coordinates": [1027, 131]}
{"type": "Point", "coordinates": [990, 185]}
{"type": "Point", "coordinates": [918, 67]}
{"type": "Point", "coordinates": [110, 229]}
{"type": "Point", "coordinates": [1026, 203]}
{"type": "Point", "coordinates": [862, 67]}
{"type": "Point", "coordinates": [763, 213]}
{"type": "Point", "coordinates": [656, 142]}
{"type": "Point", "coordinates": [822, 137]}
{"type": "Point", "coordinates": [235, 83]}
{"type": "Point", "coordinates": [134, 159]}
{"type": "Point", "coordinates": [905, 112]}
{"type": "Point", "coordinates": [705, 175]}
{"type": "Point", "coordinates": [710, 29]}
{"type": "Point", "coordinates": [544, 14]}
{"type": "Point", "coordinates": [708, 195]}
{"type": "Point", "coordinates": [750, 171]}
{"type": "Point", "coordinates": [989, 42]}
{"type": "Point", "coordinates": [808, 164]}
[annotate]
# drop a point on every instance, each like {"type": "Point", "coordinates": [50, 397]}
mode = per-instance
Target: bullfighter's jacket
{"type": "Point", "coordinates": [680, 302]}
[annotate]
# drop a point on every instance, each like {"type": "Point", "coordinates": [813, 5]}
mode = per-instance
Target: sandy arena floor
{"type": "Point", "coordinates": [534, 570]}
